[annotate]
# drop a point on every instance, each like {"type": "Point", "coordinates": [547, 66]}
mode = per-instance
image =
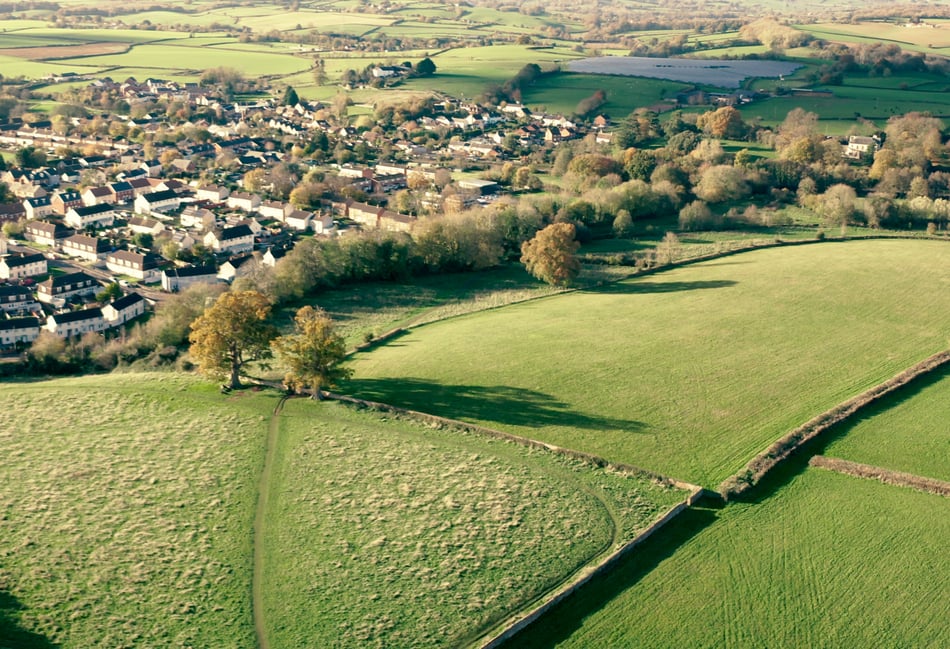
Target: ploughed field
{"type": "Point", "coordinates": [688, 372]}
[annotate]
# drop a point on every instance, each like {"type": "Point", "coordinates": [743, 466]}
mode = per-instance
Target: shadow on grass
{"type": "Point", "coordinates": [633, 287]}
{"type": "Point", "coordinates": [12, 635]}
{"type": "Point", "coordinates": [501, 404]}
{"type": "Point", "coordinates": [566, 618]}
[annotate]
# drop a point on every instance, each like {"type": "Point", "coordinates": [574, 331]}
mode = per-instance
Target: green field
{"type": "Point", "coordinates": [829, 561]}
{"type": "Point", "coordinates": [688, 372]}
{"type": "Point", "coordinates": [560, 93]}
{"type": "Point", "coordinates": [403, 535]}
{"type": "Point", "coordinates": [125, 509]}
{"type": "Point", "coordinates": [127, 501]}
{"type": "Point", "coordinates": [911, 435]}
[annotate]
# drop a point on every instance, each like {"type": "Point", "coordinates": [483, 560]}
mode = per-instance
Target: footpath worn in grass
{"type": "Point", "coordinates": [126, 504]}
{"type": "Point", "coordinates": [829, 561]}
{"type": "Point", "coordinates": [910, 434]}
{"type": "Point", "coordinates": [689, 372]}
{"type": "Point", "coordinates": [383, 532]}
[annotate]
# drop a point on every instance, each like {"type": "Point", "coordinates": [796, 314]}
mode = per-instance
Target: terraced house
{"type": "Point", "coordinates": [64, 287]}
{"type": "Point", "coordinates": [141, 266]}
{"type": "Point", "coordinates": [76, 323]}
{"type": "Point", "coordinates": [90, 216]}
{"type": "Point", "coordinates": [85, 247]}
{"type": "Point", "coordinates": [22, 265]}
{"type": "Point", "coordinates": [19, 331]}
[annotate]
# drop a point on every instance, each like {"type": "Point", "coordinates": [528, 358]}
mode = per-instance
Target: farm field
{"type": "Point", "coordinates": [562, 92]}
{"type": "Point", "coordinates": [931, 37]}
{"type": "Point", "coordinates": [722, 73]}
{"type": "Point", "coordinates": [403, 535]}
{"type": "Point", "coordinates": [828, 561]}
{"type": "Point", "coordinates": [772, 337]}
{"type": "Point", "coordinates": [903, 434]}
{"type": "Point", "coordinates": [125, 506]}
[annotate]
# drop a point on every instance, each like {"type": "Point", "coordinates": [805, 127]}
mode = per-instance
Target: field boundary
{"type": "Point", "coordinates": [887, 476]}
{"type": "Point", "coordinates": [786, 446]}
{"type": "Point", "coordinates": [520, 622]}
{"type": "Point", "coordinates": [414, 323]}
{"type": "Point", "coordinates": [437, 421]}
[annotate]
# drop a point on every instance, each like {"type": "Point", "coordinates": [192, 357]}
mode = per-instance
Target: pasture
{"type": "Point", "coordinates": [404, 535]}
{"type": "Point", "coordinates": [721, 73]}
{"type": "Point", "coordinates": [563, 91]}
{"type": "Point", "coordinates": [125, 506]}
{"type": "Point", "coordinates": [929, 37]}
{"type": "Point", "coordinates": [907, 432]}
{"type": "Point", "coordinates": [827, 561]}
{"type": "Point", "coordinates": [770, 338]}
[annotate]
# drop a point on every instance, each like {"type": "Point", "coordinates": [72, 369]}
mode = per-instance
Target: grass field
{"type": "Point", "coordinates": [378, 307]}
{"type": "Point", "coordinates": [403, 535]}
{"type": "Point", "coordinates": [829, 561]}
{"type": "Point", "coordinates": [903, 434]}
{"type": "Point", "coordinates": [561, 93]}
{"type": "Point", "coordinates": [125, 509]}
{"type": "Point", "coordinates": [769, 339]}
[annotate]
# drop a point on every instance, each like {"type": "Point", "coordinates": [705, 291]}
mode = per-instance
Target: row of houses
{"type": "Point", "coordinates": [24, 330]}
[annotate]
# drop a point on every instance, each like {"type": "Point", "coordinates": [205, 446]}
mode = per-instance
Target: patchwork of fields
{"type": "Point", "coordinates": [126, 507]}
{"type": "Point", "coordinates": [689, 372]}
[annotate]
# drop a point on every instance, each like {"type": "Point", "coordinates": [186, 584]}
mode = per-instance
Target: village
{"type": "Point", "coordinates": [101, 221]}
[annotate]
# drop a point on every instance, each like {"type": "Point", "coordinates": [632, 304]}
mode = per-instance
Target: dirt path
{"type": "Point", "coordinates": [263, 494]}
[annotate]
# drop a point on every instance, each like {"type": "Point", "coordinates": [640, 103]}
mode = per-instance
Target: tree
{"type": "Point", "coordinates": [312, 353]}
{"type": "Point", "coordinates": [290, 97]}
{"type": "Point", "coordinates": [837, 205]}
{"type": "Point", "coordinates": [668, 249]}
{"type": "Point", "coordinates": [723, 122]}
{"type": "Point", "coordinates": [551, 255]}
{"type": "Point", "coordinates": [425, 67]}
{"type": "Point", "coordinates": [233, 331]}
{"type": "Point", "coordinates": [111, 292]}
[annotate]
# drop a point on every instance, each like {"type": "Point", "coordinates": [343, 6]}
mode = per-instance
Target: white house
{"type": "Point", "coordinates": [299, 220]}
{"type": "Point", "coordinates": [244, 201]}
{"type": "Point", "coordinates": [237, 267]}
{"type": "Point", "coordinates": [178, 279]}
{"type": "Point", "coordinates": [22, 265]}
{"type": "Point", "coordinates": [157, 202]}
{"type": "Point", "coordinates": [197, 217]}
{"type": "Point", "coordinates": [124, 309]}
{"type": "Point", "coordinates": [274, 209]}
{"type": "Point", "coordinates": [19, 331]}
{"type": "Point", "coordinates": [102, 215]}
{"type": "Point", "coordinates": [141, 266]}
{"type": "Point", "coordinates": [63, 287]}
{"type": "Point", "coordinates": [37, 208]}
{"type": "Point", "coordinates": [76, 323]}
{"type": "Point", "coordinates": [213, 193]}
{"type": "Point", "coordinates": [234, 240]}
{"type": "Point", "coordinates": [85, 247]}
{"type": "Point", "coordinates": [15, 298]}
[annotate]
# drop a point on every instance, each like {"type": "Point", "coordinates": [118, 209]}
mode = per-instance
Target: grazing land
{"type": "Point", "coordinates": [723, 73]}
{"type": "Point", "coordinates": [769, 338]}
{"type": "Point", "coordinates": [403, 535]}
{"type": "Point", "coordinates": [827, 561]}
{"type": "Point", "coordinates": [125, 509]}
{"type": "Point", "coordinates": [909, 435]}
